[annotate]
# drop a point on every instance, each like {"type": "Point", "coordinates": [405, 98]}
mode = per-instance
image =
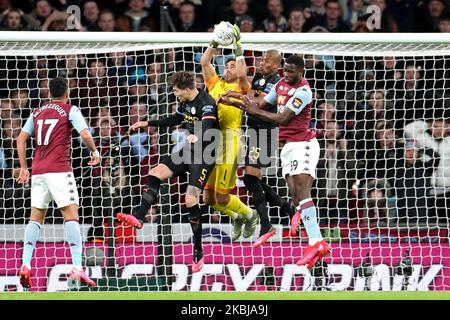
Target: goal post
{"type": "Point", "coordinates": [384, 208]}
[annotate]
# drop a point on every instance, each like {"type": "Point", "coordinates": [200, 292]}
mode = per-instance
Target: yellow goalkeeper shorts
{"type": "Point", "coordinates": [223, 177]}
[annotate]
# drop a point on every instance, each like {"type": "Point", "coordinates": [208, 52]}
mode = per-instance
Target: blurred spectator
{"type": "Point", "coordinates": [62, 21]}
{"type": "Point", "coordinates": [444, 23]}
{"type": "Point", "coordinates": [5, 109]}
{"type": "Point", "coordinates": [404, 13]}
{"type": "Point", "coordinates": [387, 73]}
{"type": "Point", "coordinates": [156, 87]}
{"type": "Point", "coordinates": [314, 14]}
{"type": "Point", "coordinates": [138, 141]}
{"type": "Point", "coordinates": [97, 88]}
{"type": "Point", "coordinates": [381, 162]}
{"type": "Point", "coordinates": [42, 10]}
{"type": "Point", "coordinates": [429, 15]}
{"type": "Point", "coordinates": [235, 11]}
{"type": "Point", "coordinates": [43, 91]}
{"type": "Point", "coordinates": [296, 20]}
{"type": "Point", "coordinates": [90, 16]}
{"type": "Point", "coordinates": [199, 81]}
{"type": "Point", "coordinates": [276, 22]}
{"type": "Point", "coordinates": [376, 211]}
{"type": "Point", "coordinates": [435, 134]}
{"type": "Point", "coordinates": [135, 18]}
{"type": "Point", "coordinates": [246, 23]}
{"type": "Point", "coordinates": [16, 20]}
{"type": "Point", "coordinates": [319, 75]}
{"type": "Point", "coordinates": [388, 23]}
{"type": "Point", "coordinates": [20, 102]}
{"type": "Point", "coordinates": [188, 18]}
{"type": "Point", "coordinates": [413, 183]}
{"type": "Point", "coordinates": [360, 26]}
{"type": "Point", "coordinates": [352, 11]}
{"type": "Point", "coordinates": [335, 173]}
{"type": "Point", "coordinates": [106, 21]}
{"type": "Point", "coordinates": [332, 20]}
{"type": "Point", "coordinates": [410, 97]}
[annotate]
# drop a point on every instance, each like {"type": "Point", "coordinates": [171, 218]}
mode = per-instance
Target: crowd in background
{"type": "Point", "coordinates": [382, 122]}
{"type": "Point", "coordinates": [250, 15]}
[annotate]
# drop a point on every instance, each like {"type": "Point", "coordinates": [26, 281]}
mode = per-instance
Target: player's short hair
{"type": "Point", "coordinates": [295, 60]}
{"type": "Point", "coordinates": [58, 87]}
{"type": "Point", "coordinates": [183, 80]}
{"type": "Point", "coordinates": [231, 58]}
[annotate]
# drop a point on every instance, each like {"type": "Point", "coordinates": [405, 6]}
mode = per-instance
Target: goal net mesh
{"type": "Point", "coordinates": [382, 189]}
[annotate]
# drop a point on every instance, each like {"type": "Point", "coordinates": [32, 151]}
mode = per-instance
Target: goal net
{"type": "Point", "coordinates": [382, 191]}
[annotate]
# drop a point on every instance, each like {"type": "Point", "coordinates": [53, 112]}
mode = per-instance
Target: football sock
{"type": "Point", "coordinates": [73, 237]}
{"type": "Point", "coordinates": [236, 205]}
{"type": "Point", "coordinates": [31, 236]}
{"type": "Point", "coordinates": [149, 197]}
{"type": "Point", "coordinates": [218, 207]}
{"type": "Point", "coordinates": [309, 219]}
{"type": "Point", "coordinates": [253, 185]}
{"type": "Point", "coordinates": [275, 200]}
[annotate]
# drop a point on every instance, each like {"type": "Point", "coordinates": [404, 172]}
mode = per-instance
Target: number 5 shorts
{"type": "Point", "coordinates": [300, 157]}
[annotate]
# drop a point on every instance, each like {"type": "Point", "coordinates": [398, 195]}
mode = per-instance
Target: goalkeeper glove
{"type": "Point", "coordinates": [213, 44]}
{"type": "Point", "coordinates": [237, 41]}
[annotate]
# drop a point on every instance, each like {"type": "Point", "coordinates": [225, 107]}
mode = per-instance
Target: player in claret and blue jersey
{"type": "Point", "coordinates": [51, 173]}
{"type": "Point", "coordinates": [300, 149]}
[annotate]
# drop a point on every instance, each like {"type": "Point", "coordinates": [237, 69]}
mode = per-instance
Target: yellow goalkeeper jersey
{"type": "Point", "coordinates": [229, 117]}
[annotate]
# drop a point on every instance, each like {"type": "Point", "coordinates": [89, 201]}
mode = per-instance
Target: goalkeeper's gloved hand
{"type": "Point", "coordinates": [237, 41]}
{"type": "Point", "coordinates": [213, 44]}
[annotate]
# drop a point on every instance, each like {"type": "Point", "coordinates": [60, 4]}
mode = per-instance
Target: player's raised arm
{"type": "Point", "coordinates": [241, 67]}
{"type": "Point", "coordinates": [209, 73]}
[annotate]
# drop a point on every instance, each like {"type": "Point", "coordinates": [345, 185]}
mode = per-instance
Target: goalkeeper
{"type": "Point", "coordinates": [198, 112]}
{"type": "Point", "coordinates": [224, 175]}
{"type": "Point", "coordinates": [261, 147]}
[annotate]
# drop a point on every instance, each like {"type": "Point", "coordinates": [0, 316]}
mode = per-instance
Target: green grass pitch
{"type": "Point", "coordinates": [341, 295]}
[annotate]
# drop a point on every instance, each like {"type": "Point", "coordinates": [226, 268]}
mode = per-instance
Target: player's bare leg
{"type": "Point", "coordinates": [73, 238]}
{"type": "Point", "coordinates": [31, 236]}
{"type": "Point", "coordinates": [317, 248]}
{"type": "Point", "coordinates": [149, 196]}
{"type": "Point", "coordinates": [195, 219]}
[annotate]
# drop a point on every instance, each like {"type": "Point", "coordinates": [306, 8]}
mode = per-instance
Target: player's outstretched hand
{"type": "Point", "coordinates": [24, 176]}
{"type": "Point", "coordinates": [249, 105]}
{"type": "Point", "coordinates": [95, 159]}
{"type": "Point", "coordinates": [237, 36]}
{"type": "Point", "coordinates": [138, 125]}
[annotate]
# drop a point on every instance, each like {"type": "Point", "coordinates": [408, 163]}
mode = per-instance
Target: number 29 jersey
{"type": "Point", "coordinates": [52, 125]}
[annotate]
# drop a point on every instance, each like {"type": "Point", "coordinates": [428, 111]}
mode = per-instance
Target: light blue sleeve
{"type": "Point", "coordinates": [77, 119]}
{"type": "Point", "coordinates": [301, 98]}
{"type": "Point", "coordinates": [29, 125]}
{"type": "Point", "coordinates": [271, 97]}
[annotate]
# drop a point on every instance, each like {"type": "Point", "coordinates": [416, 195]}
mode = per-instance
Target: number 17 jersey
{"type": "Point", "coordinates": [52, 125]}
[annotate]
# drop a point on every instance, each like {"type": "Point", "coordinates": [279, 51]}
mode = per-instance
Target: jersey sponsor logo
{"type": "Point", "coordinates": [190, 119]}
{"type": "Point", "coordinates": [208, 108]}
{"type": "Point", "coordinates": [268, 87]}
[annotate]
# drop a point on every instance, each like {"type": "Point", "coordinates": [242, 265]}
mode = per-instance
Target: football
{"type": "Point", "coordinates": [223, 33]}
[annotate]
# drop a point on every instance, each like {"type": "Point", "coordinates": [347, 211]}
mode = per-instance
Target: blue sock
{"type": "Point", "coordinates": [73, 237]}
{"type": "Point", "coordinates": [30, 238]}
{"type": "Point", "coordinates": [309, 218]}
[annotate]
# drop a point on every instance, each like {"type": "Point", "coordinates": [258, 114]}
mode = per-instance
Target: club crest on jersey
{"type": "Point", "coordinates": [291, 92]}
{"type": "Point", "coordinates": [262, 81]}
{"type": "Point", "coordinates": [193, 110]}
